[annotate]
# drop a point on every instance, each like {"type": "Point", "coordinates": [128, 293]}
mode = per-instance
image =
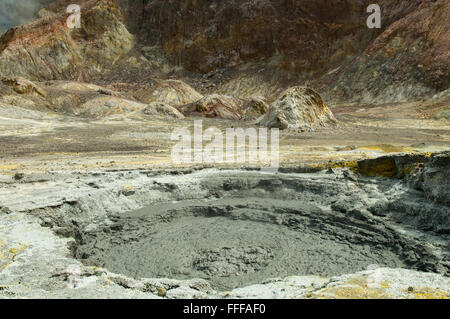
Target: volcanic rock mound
{"type": "Point", "coordinates": [172, 92]}
{"type": "Point", "coordinates": [162, 109]}
{"type": "Point", "coordinates": [23, 86]}
{"type": "Point", "coordinates": [256, 106]}
{"type": "Point", "coordinates": [215, 105]}
{"type": "Point", "coordinates": [298, 108]}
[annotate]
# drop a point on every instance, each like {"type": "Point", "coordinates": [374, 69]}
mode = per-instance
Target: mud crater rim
{"type": "Point", "coordinates": [247, 231]}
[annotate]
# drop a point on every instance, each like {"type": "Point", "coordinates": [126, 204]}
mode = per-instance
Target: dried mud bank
{"type": "Point", "coordinates": [335, 233]}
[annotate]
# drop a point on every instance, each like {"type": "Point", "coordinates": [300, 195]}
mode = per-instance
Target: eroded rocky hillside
{"type": "Point", "coordinates": [243, 47]}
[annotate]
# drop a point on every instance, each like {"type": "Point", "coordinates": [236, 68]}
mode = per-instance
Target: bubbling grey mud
{"type": "Point", "coordinates": [235, 228]}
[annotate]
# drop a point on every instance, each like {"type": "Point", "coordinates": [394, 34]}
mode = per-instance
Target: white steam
{"type": "Point", "coordinates": [15, 12]}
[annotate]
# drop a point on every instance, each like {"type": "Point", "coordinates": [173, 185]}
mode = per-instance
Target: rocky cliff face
{"type": "Point", "coordinates": [275, 43]}
{"type": "Point", "coordinates": [325, 42]}
{"type": "Point", "coordinates": [409, 60]}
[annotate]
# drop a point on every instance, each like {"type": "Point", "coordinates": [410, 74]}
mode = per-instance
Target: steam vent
{"type": "Point", "coordinates": [222, 149]}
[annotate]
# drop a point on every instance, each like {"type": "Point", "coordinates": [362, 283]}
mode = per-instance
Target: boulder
{"type": "Point", "coordinates": [215, 105]}
{"type": "Point", "coordinates": [23, 86]}
{"type": "Point", "coordinates": [255, 107]}
{"type": "Point", "coordinates": [67, 97]}
{"type": "Point", "coordinates": [172, 92]}
{"type": "Point", "coordinates": [106, 106]}
{"type": "Point", "coordinates": [298, 108]}
{"type": "Point", "coordinates": [162, 110]}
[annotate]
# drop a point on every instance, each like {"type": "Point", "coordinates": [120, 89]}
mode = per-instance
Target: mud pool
{"type": "Point", "coordinates": [240, 228]}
